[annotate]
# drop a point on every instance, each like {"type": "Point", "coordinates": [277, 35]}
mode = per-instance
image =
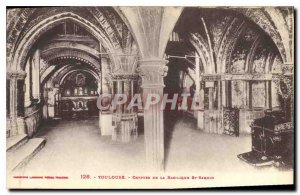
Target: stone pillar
{"type": "Point", "coordinates": [152, 72]}
{"type": "Point", "coordinates": [16, 102]}
{"type": "Point", "coordinates": [220, 108]}
{"type": "Point", "coordinates": [220, 97]}
{"type": "Point", "coordinates": [200, 116]}
{"type": "Point", "coordinates": [228, 93]}
{"type": "Point", "coordinates": [36, 75]}
{"type": "Point", "coordinates": [246, 93]}
{"type": "Point", "coordinates": [250, 94]}
{"type": "Point", "coordinates": [45, 103]}
{"type": "Point", "coordinates": [268, 94]}
{"type": "Point", "coordinates": [124, 120]}
{"type": "Point", "coordinates": [27, 85]}
{"type": "Point", "coordinates": [211, 87]}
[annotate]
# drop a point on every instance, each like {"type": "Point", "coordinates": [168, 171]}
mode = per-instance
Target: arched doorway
{"type": "Point", "coordinates": [78, 96]}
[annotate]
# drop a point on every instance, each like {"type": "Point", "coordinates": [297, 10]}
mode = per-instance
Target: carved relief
{"type": "Point", "coordinates": [284, 85]}
{"type": "Point", "coordinates": [152, 72]}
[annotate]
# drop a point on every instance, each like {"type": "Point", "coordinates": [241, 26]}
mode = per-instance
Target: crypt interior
{"type": "Point", "coordinates": [237, 62]}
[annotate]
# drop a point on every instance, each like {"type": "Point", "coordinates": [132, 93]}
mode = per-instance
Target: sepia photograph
{"type": "Point", "coordinates": [149, 97]}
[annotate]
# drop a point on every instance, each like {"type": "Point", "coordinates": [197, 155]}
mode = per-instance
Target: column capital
{"type": "Point", "coordinates": [124, 76]}
{"type": "Point", "coordinates": [152, 62]}
{"type": "Point", "coordinates": [152, 72]}
{"type": "Point", "coordinates": [16, 74]}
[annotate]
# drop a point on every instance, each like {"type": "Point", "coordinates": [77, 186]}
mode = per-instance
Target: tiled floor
{"type": "Point", "coordinates": [75, 147]}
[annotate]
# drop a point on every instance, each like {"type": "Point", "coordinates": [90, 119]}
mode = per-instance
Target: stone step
{"type": "Point", "coordinates": [14, 142]}
{"type": "Point", "coordinates": [21, 156]}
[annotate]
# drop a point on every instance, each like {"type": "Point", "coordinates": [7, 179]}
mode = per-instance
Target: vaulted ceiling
{"type": "Point", "coordinates": [146, 29]}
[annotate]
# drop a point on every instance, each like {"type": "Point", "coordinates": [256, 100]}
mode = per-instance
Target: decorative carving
{"type": "Point", "coordinates": [231, 121]}
{"type": "Point", "coordinates": [16, 19]}
{"type": "Point", "coordinates": [287, 68]}
{"type": "Point", "coordinates": [152, 72]}
{"type": "Point", "coordinates": [29, 39]}
{"type": "Point", "coordinates": [124, 76]}
{"type": "Point", "coordinates": [16, 74]}
{"type": "Point", "coordinates": [211, 77]}
{"type": "Point", "coordinates": [259, 16]}
{"type": "Point", "coordinates": [284, 126]}
{"type": "Point", "coordinates": [77, 55]}
{"type": "Point", "coordinates": [284, 85]}
{"type": "Point", "coordinates": [105, 23]}
{"type": "Point", "coordinates": [201, 44]}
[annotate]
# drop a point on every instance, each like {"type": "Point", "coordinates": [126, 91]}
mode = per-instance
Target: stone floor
{"type": "Point", "coordinates": [75, 147]}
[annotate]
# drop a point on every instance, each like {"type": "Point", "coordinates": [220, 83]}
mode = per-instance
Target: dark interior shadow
{"type": "Point", "coordinates": [140, 125]}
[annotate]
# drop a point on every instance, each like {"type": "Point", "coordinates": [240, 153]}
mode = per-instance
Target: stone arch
{"type": "Point", "coordinates": [127, 23]}
{"type": "Point", "coordinates": [151, 34]}
{"type": "Point", "coordinates": [75, 54]}
{"type": "Point", "coordinates": [228, 42]}
{"type": "Point", "coordinates": [203, 54]}
{"type": "Point", "coordinates": [67, 45]}
{"type": "Point", "coordinates": [96, 76]}
{"type": "Point", "coordinates": [32, 35]}
{"type": "Point", "coordinates": [267, 20]}
{"type": "Point", "coordinates": [15, 25]}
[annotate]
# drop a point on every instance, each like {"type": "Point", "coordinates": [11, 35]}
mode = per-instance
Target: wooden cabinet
{"type": "Point", "coordinates": [272, 141]}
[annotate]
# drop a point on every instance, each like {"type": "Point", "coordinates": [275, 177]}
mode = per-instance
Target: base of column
{"type": "Point", "coordinates": [105, 123]}
{"type": "Point", "coordinates": [125, 127]}
{"type": "Point", "coordinates": [154, 164]}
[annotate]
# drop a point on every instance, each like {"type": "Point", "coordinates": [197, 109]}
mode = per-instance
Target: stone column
{"type": "Point", "coordinates": [228, 93]}
{"type": "Point", "coordinates": [36, 75]}
{"type": "Point", "coordinates": [200, 116]}
{"type": "Point", "coordinates": [250, 94]}
{"type": "Point", "coordinates": [211, 87]}
{"type": "Point", "coordinates": [246, 94]}
{"type": "Point", "coordinates": [45, 103]}
{"type": "Point", "coordinates": [16, 102]}
{"type": "Point", "coordinates": [124, 120]}
{"type": "Point", "coordinates": [220, 108]}
{"type": "Point", "coordinates": [268, 86]}
{"type": "Point", "coordinates": [152, 72]}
